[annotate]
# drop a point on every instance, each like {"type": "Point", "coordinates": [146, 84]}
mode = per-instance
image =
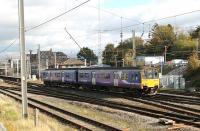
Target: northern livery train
{"type": "Point", "coordinates": [145, 81]}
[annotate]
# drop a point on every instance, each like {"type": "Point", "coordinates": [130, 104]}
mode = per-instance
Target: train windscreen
{"type": "Point", "coordinates": [150, 73]}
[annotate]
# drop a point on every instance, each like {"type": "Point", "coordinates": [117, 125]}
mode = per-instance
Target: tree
{"type": "Point", "coordinates": [195, 33]}
{"type": "Point", "coordinates": [126, 49]}
{"type": "Point", "coordinates": [183, 46]}
{"type": "Point", "coordinates": [193, 62]}
{"type": "Point", "coordinates": [108, 54]}
{"type": "Point", "coordinates": [128, 43]}
{"type": "Point", "coordinates": [88, 54]}
{"type": "Point", "coordinates": [162, 35]}
{"type": "Point", "coordinates": [122, 52]}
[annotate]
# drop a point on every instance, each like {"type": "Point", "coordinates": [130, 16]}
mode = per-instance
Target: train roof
{"type": "Point", "coordinates": [100, 68]}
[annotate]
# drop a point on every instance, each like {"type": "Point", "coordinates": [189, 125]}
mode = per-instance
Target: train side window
{"type": "Point", "coordinates": [136, 77]}
{"type": "Point", "coordinates": [107, 76]}
{"type": "Point", "coordinates": [67, 75]}
{"type": "Point", "coordinates": [124, 76]}
{"type": "Point", "coordinates": [87, 75]}
{"type": "Point", "coordinates": [156, 74]}
{"type": "Point", "coordinates": [58, 74]}
{"type": "Point", "coordinates": [81, 75]}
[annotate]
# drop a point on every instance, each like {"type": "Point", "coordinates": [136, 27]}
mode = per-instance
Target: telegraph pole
{"type": "Point", "coordinates": [99, 35]}
{"type": "Point", "coordinates": [47, 63]}
{"type": "Point", "coordinates": [115, 60]}
{"type": "Point", "coordinates": [6, 72]}
{"type": "Point", "coordinates": [23, 60]}
{"type": "Point", "coordinates": [30, 62]}
{"type": "Point", "coordinates": [121, 34]}
{"type": "Point", "coordinates": [134, 50]}
{"type": "Point", "coordinates": [197, 46]}
{"type": "Point", "coordinates": [38, 61]}
{"type": "Point", "coordinates": [17, 67]}
{"type": "Point", "coordinates": [165, 54]}
{"type": "Point", "coordinates": [12, 66]}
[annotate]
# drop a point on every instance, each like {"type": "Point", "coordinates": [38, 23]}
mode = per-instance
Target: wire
{"type": "Point", "coordinates": [13, 42]}
{"type": "Point", "coordinates": [151, 21]}
{"type": "Point", "coordinates": [74, 40]}
{"type": "Point", "coordinates": [112, 13]}
{"type": "Point", "coordinates": [45, 23]}
{"type": "Point", "coordinates": [57, 16]}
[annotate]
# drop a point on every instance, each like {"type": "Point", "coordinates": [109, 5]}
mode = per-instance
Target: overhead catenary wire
{"type": "Point", "coordinates": [106, 30]}
{"type": "Point", "coordinates": [74, 40]}
{"type": "Point", "coordinates": [151, 21]}
{"type": "Point", "coordinates": [43, 23]}
{"type": "Point", "coordinates": [7, 47]}
{"type": "Point", "coordinates": [112, 13]}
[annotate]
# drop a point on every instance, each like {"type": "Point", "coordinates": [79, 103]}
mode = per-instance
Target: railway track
{"type": "Point", "coordinates": [177, 114]}
{"type": "Point", "coordinates": [184, 93]}
{"type": "Point", "coordinates": [81, 122]}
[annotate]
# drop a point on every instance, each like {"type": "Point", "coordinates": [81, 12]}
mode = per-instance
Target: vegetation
{"type": "Point", "coordinates": [108, 54]}
{"type": "Point", "coordinates": [11, 118]}
{"type": "Point", "coordinates": [178, 44]}
{"type": "Point", "coordinates": [112, 54]}
{"type": "Point", "coordinates": [88, 54]}
{"type": "Point", "coordinates": [193, 62]}
{"type": "Point", "coordinates": [193, 70]}
{"type": "Point", "coordinates": [196, 33]}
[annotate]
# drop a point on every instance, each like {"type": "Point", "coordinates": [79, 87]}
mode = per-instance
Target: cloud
{"type": "Point", "coordinates": [82, 23]}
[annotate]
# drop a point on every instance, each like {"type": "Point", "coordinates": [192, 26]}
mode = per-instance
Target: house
{"type": "Point", "coordinates": [48, 59]}
{"type": "Point", "coordinates": [150, 60]}
{"type": "Point", "coordinates": [72, 62]}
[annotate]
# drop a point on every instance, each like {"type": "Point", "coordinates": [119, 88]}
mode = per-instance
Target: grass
{"type": "Point", "coordinates": [10, 116]}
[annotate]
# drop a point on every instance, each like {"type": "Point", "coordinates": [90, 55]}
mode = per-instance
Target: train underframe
{"type": "Point", "coordinates": [145, 91]}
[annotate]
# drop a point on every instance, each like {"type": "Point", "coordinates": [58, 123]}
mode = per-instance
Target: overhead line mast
{"type": "Point", "coordinates": [99, 35]}
{"type": "Point", "coordinates": [23, 60]}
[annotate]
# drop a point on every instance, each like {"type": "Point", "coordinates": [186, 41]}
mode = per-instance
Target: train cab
{"type": "Point", "coordinates": [150, 80]}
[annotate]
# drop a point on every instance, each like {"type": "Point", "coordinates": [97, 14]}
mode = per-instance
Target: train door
{"type": "Point", "coordinates": [135, 77]}
{"type": "Point", "coordinates": [93, 78]}
{"type": "Point", "coordinates": [116, 76]}
{"type": "Point", "coordinates": [76, 76]}
{"type": "Point", "coordinates": [50, 75]}
{"type": "Point", "coordinates": [63, 76]}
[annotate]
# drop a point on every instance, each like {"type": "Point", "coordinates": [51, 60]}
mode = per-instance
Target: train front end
{"type": "Point", "coordinates": [150, 80]}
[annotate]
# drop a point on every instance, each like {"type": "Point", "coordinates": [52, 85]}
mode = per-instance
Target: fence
{"type": "Point", "coordinates": [173, 81]}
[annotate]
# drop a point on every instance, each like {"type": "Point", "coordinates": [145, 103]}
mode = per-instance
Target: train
{"type": "Point", "coordinates": [144, 81]}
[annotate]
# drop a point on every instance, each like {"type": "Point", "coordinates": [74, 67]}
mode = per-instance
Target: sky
{"type": "Point", "coordinates": [83, 24]}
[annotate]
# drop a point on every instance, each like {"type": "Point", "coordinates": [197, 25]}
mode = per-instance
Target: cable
{"type": "Point", "coordinates": [152, 21]}
{"type": "Point", "coordinates": [45, 23]}
{"type": "Point", "coordinates": [57, 16]}
{"type": "Point", "coordinates": [74, 40]}
{"type": "Point", "coordinates": [112, 13]}
{"type": "Point", "coordinates": [13, 42]}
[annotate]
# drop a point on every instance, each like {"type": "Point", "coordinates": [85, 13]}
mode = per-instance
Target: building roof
{"type": "Point", "coordinates": [72, 61]}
